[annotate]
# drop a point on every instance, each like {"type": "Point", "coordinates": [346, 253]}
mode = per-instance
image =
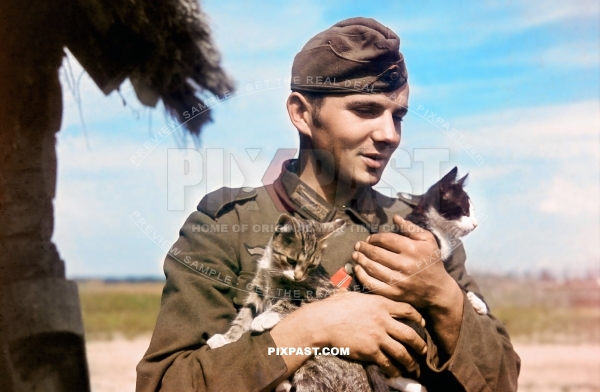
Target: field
{"type": "Point", "coordinates": [555, 326]}
{"type": "Point", "coordinates": [119, 309]}
{"type": "Point", "coordinates": [545, 311]}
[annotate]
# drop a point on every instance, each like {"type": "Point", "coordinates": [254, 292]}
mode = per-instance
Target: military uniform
{"type": "Point", "coordinates": [209, 268]}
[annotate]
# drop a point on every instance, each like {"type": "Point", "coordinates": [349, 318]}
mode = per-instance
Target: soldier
{"type": "Point", "coordinates": [349, 94]}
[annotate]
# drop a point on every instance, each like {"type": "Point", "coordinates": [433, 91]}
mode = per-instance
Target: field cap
{"type": "Point", "coordinates": [355, 55]}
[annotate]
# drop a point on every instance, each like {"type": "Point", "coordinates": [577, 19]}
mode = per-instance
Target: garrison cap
{"type": "Point", "coordinates": [355, 55]}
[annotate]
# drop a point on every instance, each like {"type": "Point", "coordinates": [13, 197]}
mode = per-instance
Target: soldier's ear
{"type": "Point", "coordinates": [299, 111]}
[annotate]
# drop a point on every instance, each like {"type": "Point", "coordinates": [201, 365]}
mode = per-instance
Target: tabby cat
{"type": "Point", "coordinates": [292, 261]}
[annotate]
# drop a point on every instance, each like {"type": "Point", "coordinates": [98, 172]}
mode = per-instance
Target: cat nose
{"type": "Point", "coordinates": [475, 223]}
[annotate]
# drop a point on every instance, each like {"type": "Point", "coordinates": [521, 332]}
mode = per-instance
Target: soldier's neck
{"type": "Point", "coordinates": [336, 193]}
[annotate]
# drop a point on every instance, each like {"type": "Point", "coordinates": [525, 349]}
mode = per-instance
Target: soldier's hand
{"type": "Point", "coordinates": [405, 267]}
{"type": "Point", "coordinates": [365, 324]}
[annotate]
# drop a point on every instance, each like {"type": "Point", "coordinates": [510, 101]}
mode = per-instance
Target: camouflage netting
{"type": "Point", "coordinates": [163, 47]}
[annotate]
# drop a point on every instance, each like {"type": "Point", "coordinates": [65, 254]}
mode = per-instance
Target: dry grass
{"type": "Point", "coordinates": [545, 311]}
{"type": "Point", "coordinates": [551, 325]}
{"type": "Point", "coordinates": [533, 311]}
{"type": "Point", "coordinates": [128, 309]}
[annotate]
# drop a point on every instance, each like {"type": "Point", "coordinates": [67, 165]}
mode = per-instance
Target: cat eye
{"type": "Point", "coordinates": [291, 261]}
{"type": "Point", "coordinates": [312, 266]}
{"type": "Point", "coordinates": [452, 213]}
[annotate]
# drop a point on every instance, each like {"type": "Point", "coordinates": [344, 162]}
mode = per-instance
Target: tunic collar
{"type": "Point", "coordinates": [310, 205]}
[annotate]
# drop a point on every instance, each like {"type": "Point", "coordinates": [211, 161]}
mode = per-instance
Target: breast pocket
{"type": "Point", "coordinates": [339, 249]}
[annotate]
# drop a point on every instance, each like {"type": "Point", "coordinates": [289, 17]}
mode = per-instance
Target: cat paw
{"type": "Point", "coordinates": [265, 321]}
{"type": "Point", "coordinates": [479, 306]}
{"type": "Point", "coordinates": [405, 384]}
{"type": "Point", "coordinates": [217, 340]}
{"type": "Point", "coordinates": [285, 386]}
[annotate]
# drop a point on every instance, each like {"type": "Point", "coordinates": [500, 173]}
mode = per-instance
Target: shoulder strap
{"type": "Point", "coordinates": [409, 199]}
{"type": "Point", "coordinates": [215, 202]}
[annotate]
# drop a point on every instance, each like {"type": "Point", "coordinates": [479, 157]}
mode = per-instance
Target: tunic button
{"type": "Point", "coordinates": [247, 189]}
{"type": "Point", "coordinates": [349, 269]}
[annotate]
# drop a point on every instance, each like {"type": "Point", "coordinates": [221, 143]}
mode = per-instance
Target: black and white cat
{"type": "Point", "coordinates": [447, 211]}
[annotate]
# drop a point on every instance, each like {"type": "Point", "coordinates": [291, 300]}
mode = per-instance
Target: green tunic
{"type": "Point", "coordinates": [209, 268]}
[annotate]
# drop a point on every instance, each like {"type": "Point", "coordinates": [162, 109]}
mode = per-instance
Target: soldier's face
{"type": "Point", "coordinates": [358, 133]}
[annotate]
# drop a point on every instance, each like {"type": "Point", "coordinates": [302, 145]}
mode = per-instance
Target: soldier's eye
{"type": "Point", "coordinates": [362, 112]}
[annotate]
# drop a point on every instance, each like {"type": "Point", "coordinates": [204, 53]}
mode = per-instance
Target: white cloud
{"type": "Point", "coordinates": [570, 199]}
{"type": "Point", "coordinates": [582, 54]}
{"type": "Point", "coordinates": [252, 28]}
{"type": "Point", "coordinates": [475, 25]}
{"type": "Point", "coordinates": [562, 131]}
{"type": "Point", "coordinates": [532, 14]}
{"type": "Point", "coordinates": [444, 91]}
{"type": "Point", "coordinates": [557, 147]}
{"type": "Point", "coordinates": [485, 173]}
{"type": "Point", "coordinates": [539, 185]}
{"type": "Point", "coordinates": [575, 55]}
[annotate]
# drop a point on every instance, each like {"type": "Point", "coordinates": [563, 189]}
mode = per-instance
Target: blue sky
{"type": "Point", "coordinates": [518, 81]}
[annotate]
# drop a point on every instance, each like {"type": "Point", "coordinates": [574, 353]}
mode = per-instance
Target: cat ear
{"type": "Point", "coordinates": [461, 182]}
{"type": "Point", "coordinates": [451, 176]}
{"type": "Point", "coordinates": [330, 228]}
{"type": "Point", "coordinates": [285, 231]}
{"type": "Point", "coordinates": [285, 224]}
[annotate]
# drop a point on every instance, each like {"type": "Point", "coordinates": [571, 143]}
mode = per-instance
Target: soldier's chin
{"type": "Point", "coordinates": [369, 178]}
{"type": "Point", "coordinates": [362, 178]}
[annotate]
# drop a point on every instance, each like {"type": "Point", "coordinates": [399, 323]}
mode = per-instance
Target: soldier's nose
{"type": "Point", "coordinates": [387, 132]}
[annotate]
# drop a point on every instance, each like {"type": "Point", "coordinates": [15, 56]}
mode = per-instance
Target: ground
{"type": "Point", "coordinates": [546, 367]}
{"type": "Point", "coordinates": [555, 327]}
